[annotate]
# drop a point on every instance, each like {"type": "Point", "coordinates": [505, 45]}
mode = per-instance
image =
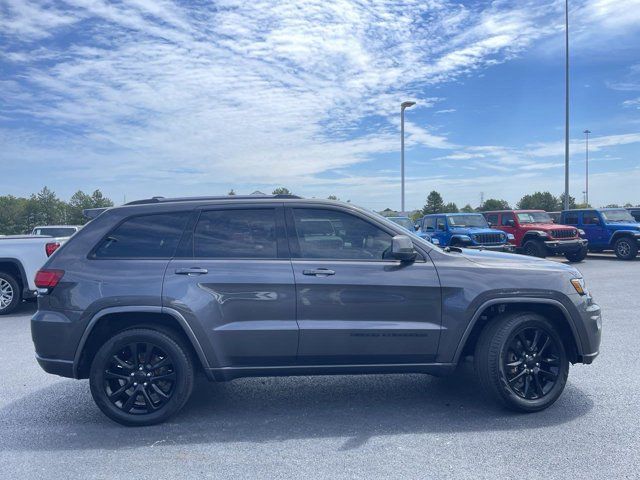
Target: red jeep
{"type": "Point", "coordinates": [535, 234]}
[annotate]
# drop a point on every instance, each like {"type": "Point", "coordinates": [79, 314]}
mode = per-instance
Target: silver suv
{"type": "Point", "coordinates": [151, 292]}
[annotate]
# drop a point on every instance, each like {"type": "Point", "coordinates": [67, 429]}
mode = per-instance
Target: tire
{"type": "Point", "coordinates": [136, 398]}
{"type": "Point", "coordinates": [10, 293]}
{"type": "Point", "coordinates": [577, 256]}
{"type": "Point", "coordinates": [625, 248]}
{"type": "Point", "coordinates": [509, 384]}
{"type": "Point", "coordinates": [534, 248]}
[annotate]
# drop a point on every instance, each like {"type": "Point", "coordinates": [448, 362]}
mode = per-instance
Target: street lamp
{"type": "Point", "coordinates": [566, 106]}
{"type": "Point", "coordinates": [586, 190]}
{"type": "Point", "coordinates": [403, 106]}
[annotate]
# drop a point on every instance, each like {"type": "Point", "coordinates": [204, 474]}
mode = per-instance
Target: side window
{"type": "Point", "coordinates": [333, 234]}
{"type": "Point", "coordinates": [504, 221]}
{"type": "Point", "coordinates": [236, 234]}
{"type": "Point", "coordinates": [430, 224]}
{"type": "Point", "coordinates": [145, 236]}
{"type": "Point", "coordinates": [440, 224]}
{"type": "Point", "coordinates": [590, 218]}
{"type": "Point", "coordinates": [571, 219]}
{"type": "Point", "coordinates": [492, 218]}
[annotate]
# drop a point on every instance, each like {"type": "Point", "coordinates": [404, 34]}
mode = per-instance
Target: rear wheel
{"type": "Point", "coordinates": [141, 376]}
{"type": "Point", "coordinates": [577, 256]}
{"type": "Point", "coordinates": [10, 293]}
{"type": "Point", "coordinates": [521, 362]}
{"type": "Point", "coordinates": [626, 248]}
{"type": "Point", "coordinates": [534, 248]}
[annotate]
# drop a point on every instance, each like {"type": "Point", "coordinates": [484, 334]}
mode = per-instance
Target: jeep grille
{"type": "Point", "coordinates": [564, 233]}
{"type": "Point", "coordinates": [488, 238]}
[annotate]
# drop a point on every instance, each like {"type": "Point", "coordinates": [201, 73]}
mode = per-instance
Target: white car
{"type": "Point", "coordinates": [21, 256]}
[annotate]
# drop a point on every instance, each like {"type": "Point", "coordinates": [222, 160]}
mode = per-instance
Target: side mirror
{"type": "Point", "coordinates": [511, 223]}
{"type": "Point", "coordinates": [402, 248]}
{"type": "Point", "coordinates": [416, 227]}
{"type": "Point", "coordinates": [490, 224]}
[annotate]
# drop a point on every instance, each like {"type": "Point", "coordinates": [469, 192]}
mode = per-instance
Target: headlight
{"type": "Point", "coordinates": [579, 285]}
{"type": "Point", "coordinates": [435, 241]}
{"type": "Point", "coordinates": [465, 238]}
{"type": "Point", "coordinates": [581, 232]}
{"type": "Point", "coordinates": [511, 236]}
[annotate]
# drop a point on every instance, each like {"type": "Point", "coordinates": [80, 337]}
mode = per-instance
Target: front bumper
{"type": "Point", "coordinates": [494, 248]}
{"type": "Point", "coordinates": [564, 246]}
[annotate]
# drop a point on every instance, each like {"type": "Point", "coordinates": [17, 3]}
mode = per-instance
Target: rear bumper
{"type": "Point", "coordinates": [63, 368]}
{"type": "Point", "coordinates": [564, 246]}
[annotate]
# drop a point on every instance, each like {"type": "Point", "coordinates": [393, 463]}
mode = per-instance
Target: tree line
{"type": "Point", "coordinates": [20, 215]}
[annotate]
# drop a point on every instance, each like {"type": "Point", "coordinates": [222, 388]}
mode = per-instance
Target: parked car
{"type": "Point", "coordinates": [535, 233]}
{"type": "Point", "coordinates": [60, 231]}
{"type": "Point", "coordinates": [635, 213]}
{"type": "Point", "coordinates": [147, 294]}
{"type": "Point", "coordinates": [607, 229]}
{"type": "Point", "coordinates": [20, 258]}
{"type": "Point", "coordinates": [555, 216]}
{"type": "Point", "coordinates": [408, 224]}
{"type": "Point", "coordinates": [468, 230]}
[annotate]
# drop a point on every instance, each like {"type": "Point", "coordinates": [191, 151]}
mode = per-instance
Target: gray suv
{"type": "Point", "coordinates": [149, 293]}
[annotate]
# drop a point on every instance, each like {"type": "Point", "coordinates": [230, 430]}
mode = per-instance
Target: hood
{"type": "Point", "coordinates": [546, 226]}
{"type": "Point", "coordinates": [624, 226]}
{"type": "Point", "coordinates": [510, 260]}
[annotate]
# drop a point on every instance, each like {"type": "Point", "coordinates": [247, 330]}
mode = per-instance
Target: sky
{"type": "Point", "coordinates": [177, 98]}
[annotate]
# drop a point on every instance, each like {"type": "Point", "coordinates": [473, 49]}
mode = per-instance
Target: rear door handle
{"type": "Point", "coordinates": [319, 272]}
{"type": "Point", "coordinates": [191, 271]}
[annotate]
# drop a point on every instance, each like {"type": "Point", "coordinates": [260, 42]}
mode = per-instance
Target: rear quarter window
{"type": "Point", "coordinates": [144, 236]}
{"type": "Point", "coordinates": [571, 219]}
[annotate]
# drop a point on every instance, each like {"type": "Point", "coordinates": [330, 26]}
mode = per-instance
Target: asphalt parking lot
{"type": "Point", "coordinates": [375, 426]}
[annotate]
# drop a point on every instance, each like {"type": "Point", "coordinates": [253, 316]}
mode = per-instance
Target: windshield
{"type": "Point", "coordinates": [534, 217]}
{"type": "Point", "coordinates": [403, 222]}
{"type": "Point", "coordinates": [474, 220]}
{"type": "Point", "coordinates": [55, 231]}
{"type": "Point", "coordinates": [618, 216]}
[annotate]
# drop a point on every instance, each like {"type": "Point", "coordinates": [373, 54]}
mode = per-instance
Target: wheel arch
{"type": "Point", "coordinates": [531, 235]}
{"type": "Point", "coordinates": [15, 268]}
{"type": "Point", "coordinates": [109, 321]}
{"type": "Point", "coordinates": [621, 233]}
{"type": "Point", "coordinates": [549, 308]}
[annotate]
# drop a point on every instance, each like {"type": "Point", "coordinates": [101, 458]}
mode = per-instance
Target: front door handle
{"type": "Point", "coordinates": [319, 272]}
{"type": "Point", "coordinates": [191, 271]}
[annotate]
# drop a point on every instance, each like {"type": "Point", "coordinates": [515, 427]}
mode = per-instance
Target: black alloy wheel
{"type": "Point", "coordinates": [141, 376]}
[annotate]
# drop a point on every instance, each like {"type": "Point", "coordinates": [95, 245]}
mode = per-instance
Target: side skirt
{"type": "Point", "coordinates": [222, 374]}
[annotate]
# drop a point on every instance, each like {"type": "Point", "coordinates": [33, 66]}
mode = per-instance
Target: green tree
{"type": "Point", "coordinates": [494, 204]}
{"type": "Point", "coordinates": [231, 192]}
{"type": "Point", "coordinates": [450, 208]}
{"type": "Point", "coordinates": [13, 215]}
{"type": "Point", "coordinates": [539, 201]}
{"type": "Point", "coordinates": [572, 202]}
{"type": "Point", "coordinates": [434, 204]}
{"type": "Point", "coordinates": [467, 209]}
{"type": "Point", "coordinates": [281, 191]}
{"type": "Point", "coordinates": [332, 197]}
{"type": "Point", "coordinates": [81, 201]}
{"type": "Point", "coordinates": [45, 208]}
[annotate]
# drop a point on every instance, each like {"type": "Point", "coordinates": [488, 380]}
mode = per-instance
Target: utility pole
{"type": "Point", "coordinates": [403, 106]}
{"type": "Point", "coordinates": [586, 190]}
{"type": "Point", "coordinates": [566, 106]}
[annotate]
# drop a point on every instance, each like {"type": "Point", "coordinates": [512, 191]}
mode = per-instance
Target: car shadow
{"type": "Point", "coordinates": [63, 416]}
{"type": "Point", "coordinates": [610, 257]}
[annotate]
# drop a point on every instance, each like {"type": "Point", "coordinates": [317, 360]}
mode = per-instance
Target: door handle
{"type": "Point", "coordinates": [319, 272]}
{"type": "Point", "coordinates": [191, 271]}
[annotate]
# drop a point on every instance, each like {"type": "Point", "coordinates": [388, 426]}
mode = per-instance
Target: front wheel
{"type": "Point", "coordinates": [626, 248]}
{"type": "Point", "coordinates": [534, 248]}
{"type": "Point", "coordinates": [141, 376]}
{"type": "Point", "coordinates": [577, 256]}
{"type": "Point", "coordinates": [521, 362]}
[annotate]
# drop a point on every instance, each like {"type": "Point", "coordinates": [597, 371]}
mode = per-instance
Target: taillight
{"type": "Point", "coordinates": [48, 278]}
{"type": "Point", "coordinates": [51, 247]}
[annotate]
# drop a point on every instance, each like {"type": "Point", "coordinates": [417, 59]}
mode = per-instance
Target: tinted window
{"type": "Point", "coordinates": [571, 219]}
{"type": "Point", "coordinates": [440, 224]}
{"type": "Point", "coordinates": [147, 236]}
{"type": "Point", "coordinates": [492, 218]}
{"type": "Point", "coordinates": [55, 231]}
{"type": "Point", "coordinates": [590, 218]}
{"type": "Point", "coordinates": [505, 219]}
{"type": "Point", "coordinates": [236, 234]}
{"type": "Point", "coordinates": [429, 224]}
{"type": "Point", "coordinates": [334, 234]}
{"type": "Point", "coordinates": [636, 215]}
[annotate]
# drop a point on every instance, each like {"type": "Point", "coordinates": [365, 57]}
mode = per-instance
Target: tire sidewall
{"type": "Point", "coordinates": [181, 364]}
{"type": "Point", "coordinates": [511, 397]}
{"type": "Point", "coordinates": [17, 294]}
{"type": "Point", "coordinates": [577, 256]}
{"type": "Point", "coordinates": [633, 248]}
{"type": "Point", "coordinates": [535, 247]}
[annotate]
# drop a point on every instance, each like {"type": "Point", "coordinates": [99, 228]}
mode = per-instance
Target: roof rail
{"type": "Point", "coordinates": [196, 199]}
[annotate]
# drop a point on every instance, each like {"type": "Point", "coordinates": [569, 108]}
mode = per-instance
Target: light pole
{"type": "Point", "coordinates": [403, 106]}
{"type": "Point", "coordinates": [586, 190]}
{"type": "Point", "coordinates": [566, 106]}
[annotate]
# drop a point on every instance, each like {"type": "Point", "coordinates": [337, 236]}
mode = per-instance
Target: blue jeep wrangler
{"type": "Point", "coordinates": [607, 229]}
{"type": "Point", "coordinates": [467, 230]}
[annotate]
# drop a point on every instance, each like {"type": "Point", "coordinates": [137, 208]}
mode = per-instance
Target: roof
{"type": "Point", "coordinates": [197, 199]}
{"type": "Point", "coordinates": [454, 214]}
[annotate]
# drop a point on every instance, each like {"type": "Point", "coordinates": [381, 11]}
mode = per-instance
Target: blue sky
{"type": "Point", "coordinates": [158, 97]}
